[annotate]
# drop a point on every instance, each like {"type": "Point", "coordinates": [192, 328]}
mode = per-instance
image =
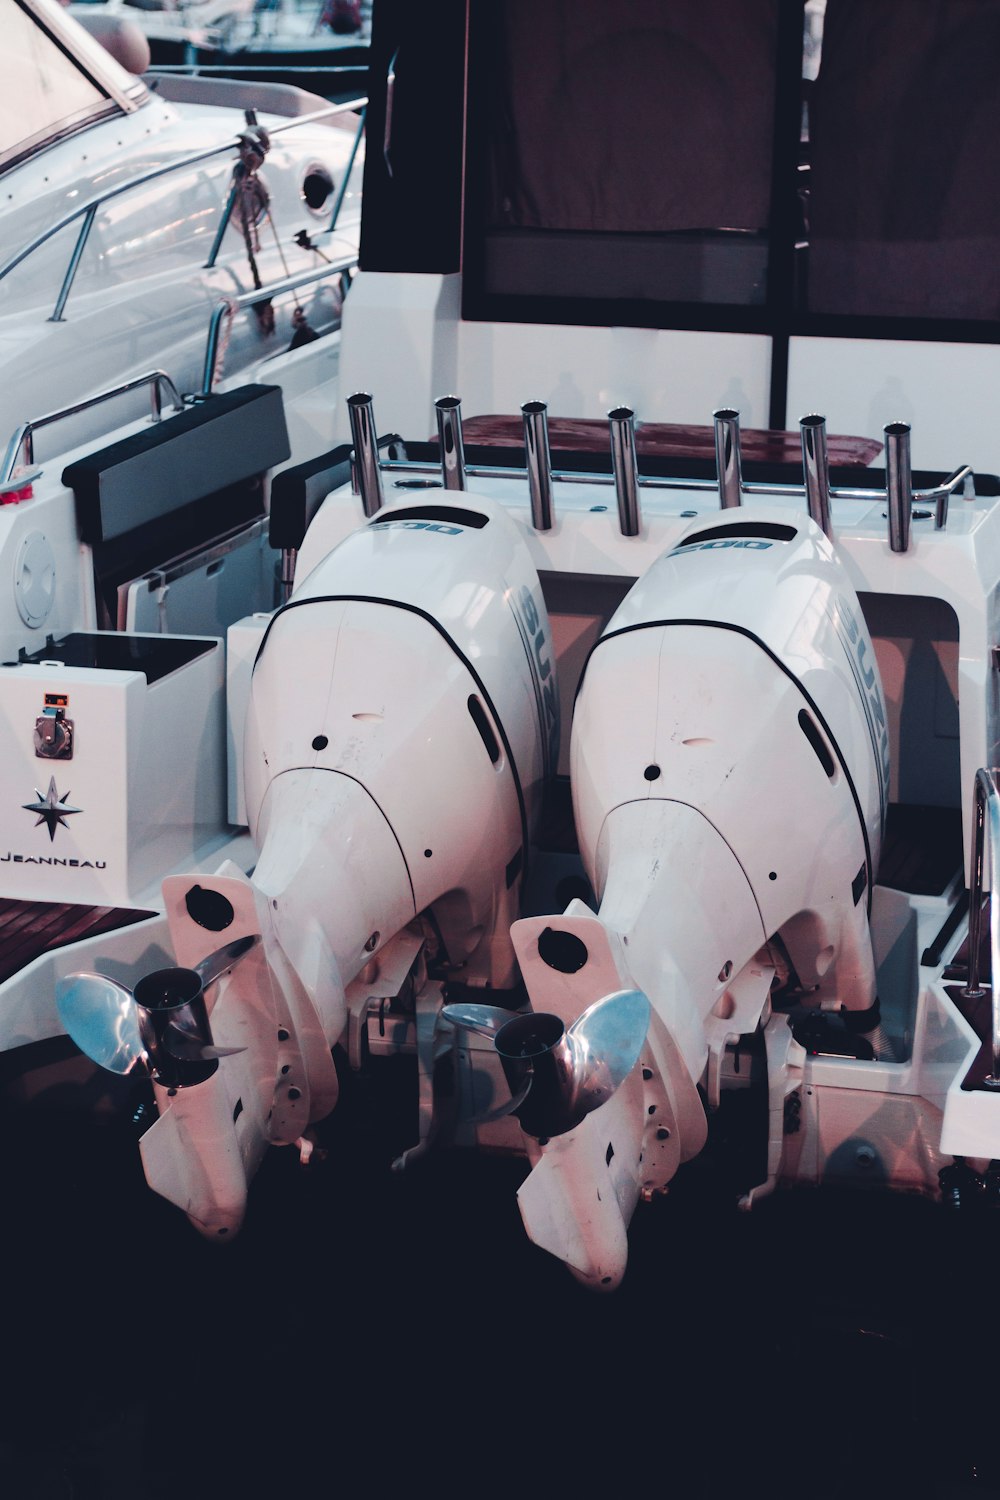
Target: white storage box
{"type": "Point", "coordinates": [144, 784]}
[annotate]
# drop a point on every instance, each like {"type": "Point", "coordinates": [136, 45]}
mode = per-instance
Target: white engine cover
{"type": "Point", "coordinates": [416, 660]}
{"type": "Point", "coordinates": [738, 679]}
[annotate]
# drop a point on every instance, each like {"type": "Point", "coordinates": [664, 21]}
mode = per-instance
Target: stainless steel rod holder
{"type": "Point", "coordinates": [625, 469]}
{"type": "Point", "coordinates": [539, 463]}
{"type": "Point", "coordinates": [449, 425]}
{"type": "Point", "coordinates": [898, 484]}
{"type": "Point", "coordinates": [816, 470]}
{"type": "Point", "coordinates": [359, 409]}
{"type": "Point", "coordinates": [727, 457]}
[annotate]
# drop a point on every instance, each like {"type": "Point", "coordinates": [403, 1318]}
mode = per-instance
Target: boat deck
{"type": "Point", "coordinates": [667, 440]}
{"type": "Point", "coordinates": [31, 928]}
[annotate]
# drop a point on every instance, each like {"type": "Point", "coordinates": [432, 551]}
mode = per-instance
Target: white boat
{"type": "Point", "coordinates": [236, 34]}
{"type": "Point", "coordinates": [131, 333]}
{"type": "Point", "coordinates": [172, 31]}
{"type": "Point", "coordinates": [757, 933]}
{"type": "Point", "coordinates": [138, 209]}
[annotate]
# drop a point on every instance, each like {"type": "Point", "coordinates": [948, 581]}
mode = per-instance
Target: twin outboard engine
{"type": "Point", "coordinates": [402, 720]}
{"type": "Point", "coordinates": [729, 768]}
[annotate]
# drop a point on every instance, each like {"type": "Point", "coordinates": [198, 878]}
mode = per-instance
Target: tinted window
{"type": "Point", "coordinates": [624, 152]}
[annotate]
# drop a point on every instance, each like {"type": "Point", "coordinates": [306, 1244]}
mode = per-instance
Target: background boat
{"type": "Point", "coordinates": [284, 41]}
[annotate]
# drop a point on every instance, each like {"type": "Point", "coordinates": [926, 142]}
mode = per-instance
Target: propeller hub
{"type": "Point", "coordinates": [174, 999]}
{"type": "Point", "coordinates": [559, 1076]}
{"type": "Point", "coordinates": [536, 1045]}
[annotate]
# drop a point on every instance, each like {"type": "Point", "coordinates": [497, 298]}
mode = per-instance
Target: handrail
{"type": "Point", "coordinates": [962, 476]}
{"type": "Point", "coordinates": [23, 438]}
{"type": "Point", "coordinates": [88, 211]}
{"type": "Point", "coordinates": [346, 174]}
{"type": "Point", "coordinates": [228, 307]}
{"type": "Point", "coordinates": [338, 201]}
{"type": "Point", "coordinates": [986, 807]}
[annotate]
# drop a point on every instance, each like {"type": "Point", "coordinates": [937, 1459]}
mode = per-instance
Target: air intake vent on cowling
{"type": "Point", "coordinates": [771, 531]}
{"type": "Point", "coordinates": [453, 515]}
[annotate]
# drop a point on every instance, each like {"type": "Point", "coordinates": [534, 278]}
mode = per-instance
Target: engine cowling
{"type": "Point", "coordinates": [729, 767]}
{"type": "Point", "coordinates": [416, 662]}
{"type": "Point", "coordinates": [403, 716]}
{"type": "Point", "coordinates": [733, 705]}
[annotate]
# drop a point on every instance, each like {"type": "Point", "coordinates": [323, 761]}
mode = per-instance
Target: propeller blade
{"type": "Point", "coordinates": [606, 1041]}
{"type": "Point", "coordinates": [215, 965]}
{"type": "Point", "coordinates": [101, 1018]}
{"type": "Point", "coordinates": [485, 1020]}
{"type": "Point", "coordinates": [184, 1043]}
{"type": "Point", "coordinates": [572, 1072]}
{"type": "Point", "coordinates": [502, 1110]}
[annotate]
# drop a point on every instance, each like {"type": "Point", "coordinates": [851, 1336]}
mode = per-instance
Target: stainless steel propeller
{"type": "Point", "coordinates": [218, 963]}
{"type": "Point", "coordinates": [160, 1030]}
{"type": "Point", "coordinates": [561, 1075]}
{"type": "Point", "coordinates": [100, 1016]}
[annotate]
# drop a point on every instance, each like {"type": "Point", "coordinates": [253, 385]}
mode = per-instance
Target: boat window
{"type": "Point", "coordinates": [30, 288]}
{"type": "Point", "coordinates": [626, 153]}
{"type": "Point", "coordinates": [904, 152]}
{"type": "Point", "coordinates": [782, 167]}
{"type": "Point", "coordinates": [43, 90]}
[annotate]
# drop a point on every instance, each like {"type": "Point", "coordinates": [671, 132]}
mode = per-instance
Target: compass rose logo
{"type": "Point", "coordinates": [51, 809]}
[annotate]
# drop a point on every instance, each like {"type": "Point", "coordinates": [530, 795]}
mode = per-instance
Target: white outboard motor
{"type": "Point", "coordinates": [402, 719]}
{"type": "Point", "coordinates": [729, 766]}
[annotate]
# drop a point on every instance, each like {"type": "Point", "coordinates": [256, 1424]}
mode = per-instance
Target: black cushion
{"type": "Point", "coordinates": [298, 492]}
{"type": "Point", "coordinates": [214, 444]}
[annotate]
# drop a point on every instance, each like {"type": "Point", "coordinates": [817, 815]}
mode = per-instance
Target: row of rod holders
{"type": "Point", "coordinates": [898, 494]}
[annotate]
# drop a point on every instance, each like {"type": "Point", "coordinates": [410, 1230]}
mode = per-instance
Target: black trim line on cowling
{"type": "Point", "coordinates": [416, 610]}
{"type": "Point", "coordinates": [742, 630]}
{"type": "Point", "coordinates": [332, 771]}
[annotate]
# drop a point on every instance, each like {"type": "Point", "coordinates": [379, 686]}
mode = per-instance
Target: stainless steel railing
{"type": "Point", "coordinates": [22, 440]}
{"type": "Point", "coordinates": [729, 483]}
{"type": "Point", "coordinates": [227, 308]}
{"type": "Point", "coordinates": [87, 212]}
{"type": "Point", "coordinates": [21, 444]}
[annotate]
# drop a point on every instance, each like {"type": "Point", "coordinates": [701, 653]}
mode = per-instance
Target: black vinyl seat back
{"type": "Point", "coordinates": [176, 486]}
